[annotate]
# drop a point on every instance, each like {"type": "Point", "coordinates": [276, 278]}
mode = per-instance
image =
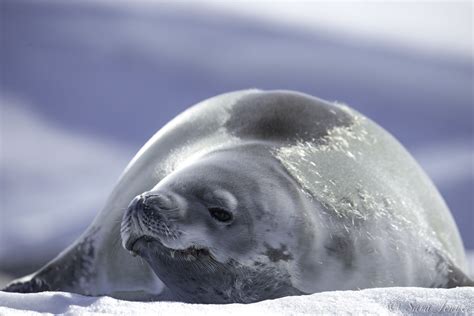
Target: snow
{"type": "Point", "coordinates": [388, 301]}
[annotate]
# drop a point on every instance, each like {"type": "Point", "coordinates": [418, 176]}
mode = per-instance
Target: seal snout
{"type": "Point", "coordinates": [149, 215]}
{"type": "Point", "coordinates": [152, 201]}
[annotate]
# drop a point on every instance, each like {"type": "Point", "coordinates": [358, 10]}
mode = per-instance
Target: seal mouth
{"type": "Point", "coordinates": [132, 243]}
{"type": "Point", "coordinates": [138, 244]}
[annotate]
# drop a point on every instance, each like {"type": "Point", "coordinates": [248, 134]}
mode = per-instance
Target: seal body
{"type": "Point", "coordinates": [254, 195]}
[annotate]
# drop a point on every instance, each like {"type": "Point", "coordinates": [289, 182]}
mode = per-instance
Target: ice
{"type": "Point", "coordinates": [382, 301]}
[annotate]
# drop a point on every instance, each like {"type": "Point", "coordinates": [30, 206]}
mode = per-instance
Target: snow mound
{"type": "Point", "coordinates": [386, 301]}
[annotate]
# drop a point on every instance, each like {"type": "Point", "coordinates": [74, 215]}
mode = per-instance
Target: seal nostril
{"type": "Point", "coordinates": [160, 201]}
{"type": "Point", "coordinates": [137, 203]}
{"type": "Point", "coordinates": [140, 203]}
{"type": "Point", "coordinates": [152, 208]}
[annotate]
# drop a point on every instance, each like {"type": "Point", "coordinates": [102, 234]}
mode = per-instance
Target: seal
{"type": "Point", "coordinates": [254, 195]}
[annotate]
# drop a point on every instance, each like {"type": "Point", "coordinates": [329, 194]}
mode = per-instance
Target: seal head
{"type": "Point", "coordinates": [202, 229]}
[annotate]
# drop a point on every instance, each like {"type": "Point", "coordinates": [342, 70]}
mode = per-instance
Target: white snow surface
{"type": "Point", "coordinates": [386, 301]}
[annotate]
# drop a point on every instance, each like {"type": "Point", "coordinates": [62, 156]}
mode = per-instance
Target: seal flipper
{"type": "Point", "coordinates": [70, 271]}
{"type": "Point", "coordinates": [54, 276]}
{"type": "Point", "coordinates": [454, 275]}
{"type": "Point", "coordinates": [58, 275]}
{"type": "Point", "coordinates": [77, 270]}
{"type": "Point", "coordinates": [34, 285]}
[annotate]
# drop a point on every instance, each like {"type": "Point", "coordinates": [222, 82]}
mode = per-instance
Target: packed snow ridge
{"type": "Point", "coordinates": [381, 301]}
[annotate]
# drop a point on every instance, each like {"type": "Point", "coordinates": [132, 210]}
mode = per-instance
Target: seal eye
{"type": "Point", "coordinates": [220, 214]}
